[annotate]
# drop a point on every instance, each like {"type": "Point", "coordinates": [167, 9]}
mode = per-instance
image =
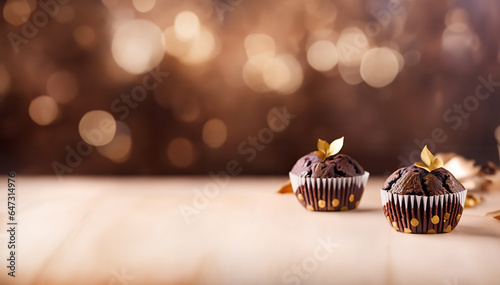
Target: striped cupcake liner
{"type": "Point", "coordinates": [423, 214]}
{"type": "Point", "coordinates": [329, 194]}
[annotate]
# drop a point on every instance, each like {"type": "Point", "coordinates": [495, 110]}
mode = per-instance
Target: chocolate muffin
{"type": "Point", "coordinates": [327, 181]}
{"type": "Point", "coordinates": [416, 200]}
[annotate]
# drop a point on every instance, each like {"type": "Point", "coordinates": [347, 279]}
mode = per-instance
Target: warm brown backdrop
{"type": "Point", "coordinates": [446, 46]}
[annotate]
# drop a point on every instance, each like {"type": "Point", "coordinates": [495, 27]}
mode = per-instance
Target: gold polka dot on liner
{"type": "Point", "coordinates": [310, 208]}
{"type": "Point", "coordinates": [446, 216]}
{"type": "Point", "coordinates": [357, 203]}
{"type": "Point", "coordinates": [351, 198]}
{"type": "Point", "coordinates": [395, 226]}
{"type": "Point", "coordinates": [407, 230]}
{"type": "Point", "coordinates": [435, 219]}
{"type": "Point", "coordinates": [458, 217]}
{"type": "Point", "coordinates": [414, 222]}
{"type": "Point", "coordinates": [345, 208]}
{"type": "Point", "coordinates": [431, 231]}
{"type": "Point", "coordinates": [321, 203]}
{"type": "Point", "coordinates": [335, 202]}
{"type": "Point", "coordinates": [301, 198]}
{"type": "Point", "coordinates": [447, 229]}
{"type": "Point", "coordinates": [388, 219]}
{"type": "Point", "coordinates": [330, 208]}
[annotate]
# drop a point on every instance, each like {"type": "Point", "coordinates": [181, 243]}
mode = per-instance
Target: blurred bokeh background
{"type": "Point", "coordinates": [189, 87]}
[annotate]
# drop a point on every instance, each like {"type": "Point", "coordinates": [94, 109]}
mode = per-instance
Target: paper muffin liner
{"type": "Point", "coordinates": [329, 194]}
{"type": "Point", "coordinates": [423, 214]}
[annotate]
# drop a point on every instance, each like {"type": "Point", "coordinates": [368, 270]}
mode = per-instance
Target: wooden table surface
{"type": "Point", "coordinates": [191, 230]}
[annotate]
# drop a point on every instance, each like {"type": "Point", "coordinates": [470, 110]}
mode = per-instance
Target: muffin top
{"type": "Point", "coordinates": [413, 180]}
{"type": "Point", "coordinates": [338, 165]}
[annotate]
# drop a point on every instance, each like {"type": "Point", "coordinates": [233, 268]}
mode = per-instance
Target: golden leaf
{"type": "Point", "coordinates": [472, 200]}
{"type": "Point", "coordinates": [494, 214]}
{"type": "Point", "coordinates": [325, 150]}
{"type": "Point", "coordinates": [436, 163]}
{"type": "Point", "coordinates": [287, 188]}
{"type": "Point", "coordinates": [421, 165]}
{"type": "Point", "coordinates": [336, 146]}
{"type": "Point", "coordinates": [430, 162]}
{"type": "Point", "coordinates": [426, 156]}
{"type": "Point", "coordinates": [323, 146]}
{"type": "Point", "coordinates": [320, 154]}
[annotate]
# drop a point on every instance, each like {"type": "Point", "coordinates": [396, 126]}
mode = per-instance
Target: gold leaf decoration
{"type": "Point", "coordinates": [472, 200]}
{"type": "Point", "coordinates": [336, 146]}
{"type": "Point", "coordinates": [325, 150]}
{"type": "Point", "coordinates": [287, 188]}
{"type": "Point", "coordinates": [323, 145]}
{"type": "Point", "coordinates": [430, 162]}
{"type": "Point", "coordinates": [426, 156]}
{"type": "Point", "coordinates": [421, 165]}
{"type": "Point", "coordinates": [494, 214]}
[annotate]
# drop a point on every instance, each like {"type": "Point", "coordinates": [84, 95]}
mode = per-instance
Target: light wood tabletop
{"type": "Point", "coordinates": [201, 230]}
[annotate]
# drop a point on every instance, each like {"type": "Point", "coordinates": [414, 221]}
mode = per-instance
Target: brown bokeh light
{"type": "Point", "coordinates": [187, 86]}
